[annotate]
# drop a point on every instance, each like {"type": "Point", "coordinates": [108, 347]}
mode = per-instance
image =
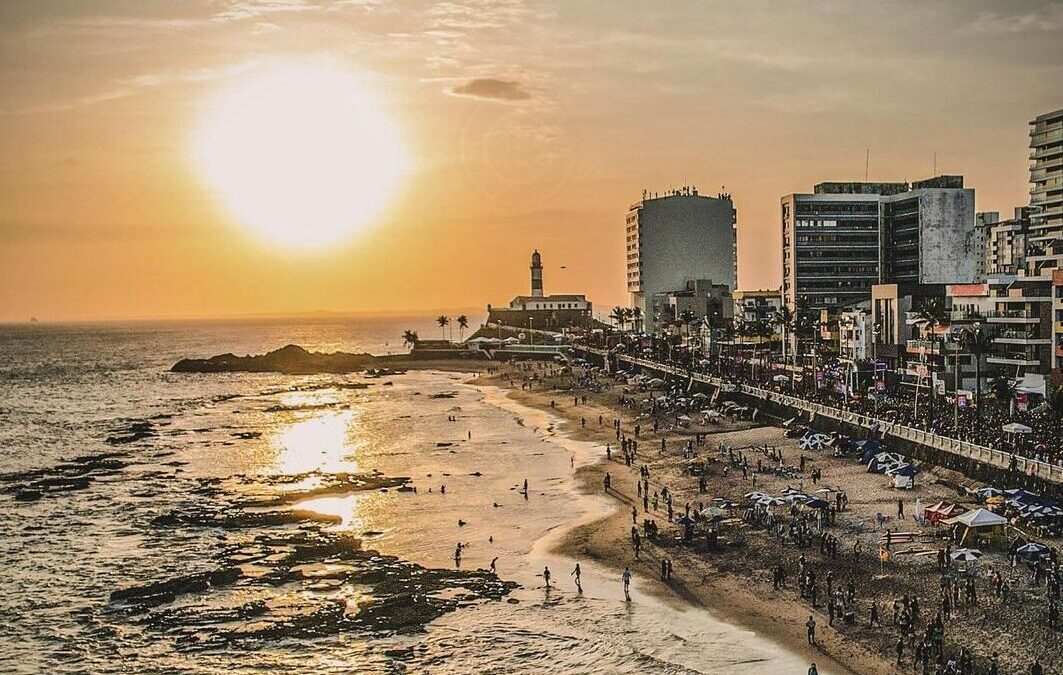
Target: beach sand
{"type": "Point", "coordinates": [736, 585]}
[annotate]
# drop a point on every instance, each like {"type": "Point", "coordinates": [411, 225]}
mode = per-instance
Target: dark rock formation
{"type": "Point", "coordinates": [291, 360]}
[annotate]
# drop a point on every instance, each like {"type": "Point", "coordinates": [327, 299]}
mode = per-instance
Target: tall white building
{"type": "Point", "coordinates": [672, 238]}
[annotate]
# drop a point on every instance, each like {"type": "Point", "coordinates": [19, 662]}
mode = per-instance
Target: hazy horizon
{"type": "Point", "coordinates": [489, 128]}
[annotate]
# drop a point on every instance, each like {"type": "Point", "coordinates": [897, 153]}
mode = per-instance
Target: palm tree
{"type": "Point", "coordinates": [931, 316]}
{"type": "Point", "coordinates": [636, 318]}
{"type": "Point", "coordinates": [1003, 388]}
{"type": "Point", "coordinates": [785, 319]}
{"type": "Point", "coordinates": [1055, 400]}
{"type": "Point", "coordinates": [619, 315]}
{"type": "Point", "coordinates": [443, 322]}
{"type": "Point", "coordinates": [463, 323]}
{"type": "Point", "coordinates": [409, 337]}
{"type": "Point", "coordinates": [976, 342]}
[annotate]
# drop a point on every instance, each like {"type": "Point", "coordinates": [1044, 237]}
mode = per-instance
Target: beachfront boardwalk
{"type": "Point", "coordinates": [996, 458]}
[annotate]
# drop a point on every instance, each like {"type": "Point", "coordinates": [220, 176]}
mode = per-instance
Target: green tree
{"type": "Point", "coordinates": [976, 342]}
{"type": "Point", "coordinates": [1055, 400]}
{"type": "Point", "coordinates": [443, 322]}
{"type": "Point", "coordinates": [463, 323]}
{"type": "Point", "coordinates": [636, 318]}
{"type": "Point", "coordinates": [931, 316]}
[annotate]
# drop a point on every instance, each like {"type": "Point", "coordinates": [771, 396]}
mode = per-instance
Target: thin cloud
{"type": "Point", "coordinates": [1044, 19]}
{"type": "Point", "coordinates": [493, 89]}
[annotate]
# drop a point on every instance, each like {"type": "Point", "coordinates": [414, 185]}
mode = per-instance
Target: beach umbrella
{"type": "Point", "coordinates": [685, 520]}
{"type": "Point", "coordinates": [1016, 428]}
{"type": "Point", "coordinates": [791, 491]}
{"type": "Point", "coordinates": [903, 470]}
{"type": "Point", "coordinates": [817, 504]}
{"type": "Point", "coordinates": [771, 501]}
{"type": "Point", "coordinates": [987, 492]}
{"type": "Point", "coordinates": [753, 496]}
{"type": "Point", "coordinates": [712, 413]}
{"type": "Point", "coordinates": [683, 418]}
{"type": "Point", "coordinates": [713, 511]}
{"type": "Point", "coordinates": [825, 491]}
{"type": "Point", "coordinates": [1032, 550]}
{"type": "Point", "coordinates": [966, 555]}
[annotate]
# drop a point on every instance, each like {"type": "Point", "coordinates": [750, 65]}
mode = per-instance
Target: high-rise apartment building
{"type": "Point", "coordinates": [676, 237]}
{"type": "Point", "coordinates": [846, 237]}
{"type": "Point", "coordinates": [1044, 252]}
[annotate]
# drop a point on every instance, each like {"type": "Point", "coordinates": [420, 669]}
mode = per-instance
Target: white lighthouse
{"type": "Point", "coordinates": [536, 275]}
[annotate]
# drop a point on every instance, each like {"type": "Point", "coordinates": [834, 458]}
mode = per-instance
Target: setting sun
{"type": "Point", "coordinates": [301, 155]}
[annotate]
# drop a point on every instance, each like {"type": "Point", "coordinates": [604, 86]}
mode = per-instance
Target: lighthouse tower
{"type": "Point", "coordinates": [536, 275]}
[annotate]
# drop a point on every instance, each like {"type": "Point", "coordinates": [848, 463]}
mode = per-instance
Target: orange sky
{"type": "Point", "coordinates": [529, 125]}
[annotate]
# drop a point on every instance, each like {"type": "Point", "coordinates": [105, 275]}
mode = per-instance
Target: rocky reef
{"type": "Point", "coordinates": [393, 595]}
{"type": "Point", "coordinates": [289, 360]}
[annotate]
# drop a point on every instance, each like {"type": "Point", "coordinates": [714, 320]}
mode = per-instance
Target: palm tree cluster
{"type": "Point", "coordinates": [444, 321]}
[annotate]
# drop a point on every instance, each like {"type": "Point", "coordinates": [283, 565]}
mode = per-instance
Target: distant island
{"type": "Point", "coordinates": [290, 360]}
{"type": "Point", "coordinates": [296, 360]}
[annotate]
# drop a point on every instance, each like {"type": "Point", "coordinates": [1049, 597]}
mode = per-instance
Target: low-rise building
{"type": "Point", "coordinates": [754, 306]}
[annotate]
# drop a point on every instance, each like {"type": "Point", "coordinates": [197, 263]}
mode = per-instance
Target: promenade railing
{"type": "Point", "coordinates": [980, 453]}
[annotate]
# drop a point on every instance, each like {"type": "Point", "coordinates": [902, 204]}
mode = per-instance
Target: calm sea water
{"type": "Point", "coordinates": [218, 439]}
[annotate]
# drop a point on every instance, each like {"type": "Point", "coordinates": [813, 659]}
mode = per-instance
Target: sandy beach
{"type": "Point", "coordinates": [736, 583]}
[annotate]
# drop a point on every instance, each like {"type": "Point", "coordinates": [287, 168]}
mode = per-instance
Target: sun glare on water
{"type": "Point", "coordinates": [301, 155]}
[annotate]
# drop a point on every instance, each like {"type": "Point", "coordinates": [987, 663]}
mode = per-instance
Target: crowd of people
{"type": "Point", "coordinates": [897, 404]}
{"type": "Point", "coordinates": [920, 632]}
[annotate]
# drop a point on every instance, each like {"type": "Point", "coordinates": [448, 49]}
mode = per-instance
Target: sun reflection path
{"type": "Point", "coordinates": [325, 442]}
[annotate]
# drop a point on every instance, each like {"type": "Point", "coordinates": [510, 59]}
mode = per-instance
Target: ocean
{"type": "Point", "coordinates": [194, 523]}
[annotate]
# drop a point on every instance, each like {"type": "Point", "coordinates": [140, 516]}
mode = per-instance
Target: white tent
{"type": "Point", "coordinates": [1016, 428]}
{"type": "Point", "coordinates": [978, 518]}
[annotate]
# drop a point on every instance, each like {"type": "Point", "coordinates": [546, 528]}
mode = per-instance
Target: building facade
{"type": "Point", "coordinates": [1005, 241]}
{"type": "Point", "coordinates": [676, 237]}
{"type": "Point", "coordinates": [754, 306]}
{"type": "Point", "coordinates": [1045, 242]}
{"type": "Point", "coordinates": [699, 299]}
{"type": "Point", "coordinates": [844, 238]}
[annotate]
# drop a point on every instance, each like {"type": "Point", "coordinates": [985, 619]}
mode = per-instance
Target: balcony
{"type": "Point", "coordinates": [1023, 340]}
{"type": "Point", "coordinates": [934, 347]}
{"type": "Point", "coordinates": [1012, 316]}
{"type": "Point", "coordinates": [1013, 360]}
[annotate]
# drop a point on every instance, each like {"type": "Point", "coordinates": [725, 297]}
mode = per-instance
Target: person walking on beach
{"type": "Point", "coordinates": [576, 573]}
{"type": "Point", "coordinates": [493, 561]}
{"type": "Point", "coordinates": [546, 576]}
{"type": "Point", "coordinates": [607, 481]}
{"type": "Point", "coordinates": [626, 576]}
{"type": "Point", "coordinates": [810, 627]}
{"type": "Point", "coordinates": [900, 509]}
{"type": "Point", "coordinates": [525, 490]}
